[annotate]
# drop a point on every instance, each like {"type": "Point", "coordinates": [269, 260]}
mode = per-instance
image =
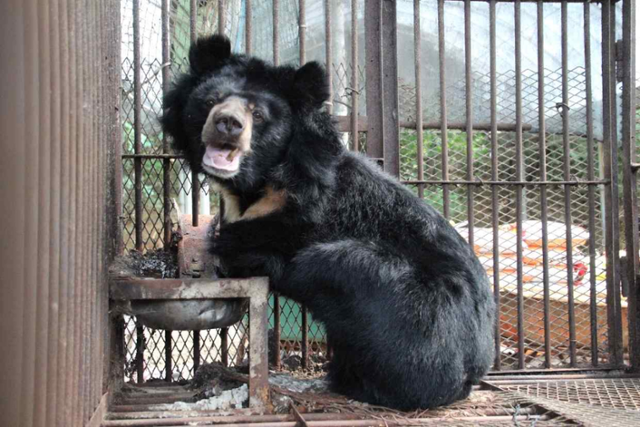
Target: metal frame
{"type": "Point", "coordinates": [256, 290]}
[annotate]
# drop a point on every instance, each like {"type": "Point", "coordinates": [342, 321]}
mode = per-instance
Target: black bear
{"type": "Point", "coordinates": [403, 298]}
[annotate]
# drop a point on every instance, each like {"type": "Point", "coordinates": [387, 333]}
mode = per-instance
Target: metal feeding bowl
{"type": "Point", "coordinates": [193, 262]}
{"type": "Point", "coordinates": [192, 315]}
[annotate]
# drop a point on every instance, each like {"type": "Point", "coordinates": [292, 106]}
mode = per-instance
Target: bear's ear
{"type": "Point", "coordinates": [208, 53]}
{"type": "Point", "coordinates": [310, 87]}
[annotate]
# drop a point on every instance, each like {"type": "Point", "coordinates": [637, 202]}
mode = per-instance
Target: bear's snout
{"type": "Point", "coordinates": [229, 124]}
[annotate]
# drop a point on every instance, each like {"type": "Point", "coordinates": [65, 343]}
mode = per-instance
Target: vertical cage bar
{"type": "Point", "coordinates": [468, 78]}
{"type": "Point", "coordinates": [417, 46]}
{"type": "Point", "coordinates": [303, 58]}
{"type": "Point", "coordinates": [302, 28]}
{"type": "Point", "coordinates": [168, 362]}
{"type": "Point", "coordinates": [276, 59]}
{"type": "Point", "coordinates": [139, 353]}
{"type": "Point", "coordinates": [630, 184]}
{"type": "Point", "coordinates": [519, 178]}
{"type": "Point", "coordinates": [542, 150]}
{"type": "Point", "coordinates": [15, 127]}
{"type": "Point", "coordinates": [495, 203]}
{"type": "Point", "coordinates": [373, 69]}
{"type": "Point", "coordinates": [196, 351]}
{"type": "Point", "coordinates": [328, 52]}
{"type": "Point", "coordinates": [615, 186]}
{"type": "Point", "coordinates": [43, 195]}
{"type": "Point", "coordinates": [610, 161]}
{"type": "Point", "coordinates": [55, 260]}
{"type": "Point", "coordinates": [166, 165]}
{"type": "Point", "coordinates": [390, 126]}
{"type": "Point", "coordinates": [443, 109]}
{"type": "Point", "coordinates": [80, 238]}
{"type": "Point", "coordinates": [224, 346]}
{"type": "Point", "coordinates": [65, 211]}
{"type": "Point", "coordinates": [248, 28]}
{"type": "Point", "coordinates": [137, 125]}
{"type": "Point", "coordinates": [118, 171]}
{"type": "Point", "coordinates": [593, 303]}
{"type": "Point", "coordinates": [195, 181]}
{"type": "Point", "coordinates": [355, 142]}
{"type": "Point", "coordinates": [276, 32]}
{"type": "Point", "coordinates": [567, 189]}
{"type": "Point", "coordinates": [221, 17]}
{"type": "Point", "coordinates": [30, 104]}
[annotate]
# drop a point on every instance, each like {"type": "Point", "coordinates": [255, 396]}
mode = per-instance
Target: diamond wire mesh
{"type": "Point", "coordinates": [533, 270]}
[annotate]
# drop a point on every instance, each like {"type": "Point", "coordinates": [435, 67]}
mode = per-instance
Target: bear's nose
{"type": "Point", "coordinates": [229, 125]}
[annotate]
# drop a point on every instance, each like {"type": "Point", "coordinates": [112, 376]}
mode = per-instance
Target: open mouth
{"type": "Point", "coordinates": [222, 161]}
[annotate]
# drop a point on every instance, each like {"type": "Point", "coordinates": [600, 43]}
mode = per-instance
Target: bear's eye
{"type": "Point", "coordinates": [257, 116]}
{"type": "Point", "coordinates": [210, 103]}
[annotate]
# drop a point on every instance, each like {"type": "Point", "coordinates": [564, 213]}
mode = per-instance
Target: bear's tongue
{"type": "Point", "coordinates": [217, 158]}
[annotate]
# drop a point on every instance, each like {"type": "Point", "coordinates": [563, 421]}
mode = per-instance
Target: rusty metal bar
{"type": "Point", "coordinates": [480, 182]}
{"type": "Point", "coordinates": [276, 60]}
{"type": "Point", "coordinates": [615, 187]}
{"type": "Point", "coordinates": [495, 203]}
{"type": "Point", "coordinates": [117, 151]}
{"type": "Point", "coordinates": [196, 351]}
{"type": "Point", "coordinates": [258, 358]}
{"type": "Point", "coordinates": [302, 28]}
{"type": "Point", "coordinates": [328, 52]}
{"type": "Point", "coordinates": [55, 260]}
{"type": "Point", "coordinates": [519, 177]}
{"type": "Point", "coordinates": [78, 237]}
{"type": "Point", "coordinates": [248, 28]}
{"type": "Point", "coordinates": [67, 101]}
{"type": "Point", "coordinates": [276, 328]}
{"type": "Point", "coordinates": [468, 78]}
{"type": "Point", "coordinates": [195, 181]}
{"type": "Point", "coordinates": [40, 264]}
{"type": "Point", "coordinates": [160, 156]}
{"type": "Point", "coordinates": [630, 181]}
{"type": "Point", "coordinates": [301, 35]}
{"type": "Point", "coordinates": [443, 109]}
{"type": "Point", "coordinates": [221, 17]}
{"type": "Point", "coordinates": [610, 161]}
{"type": "Point", "coordinates": [348, 422]}
{"type": "Point", "coordinates": [567, 190]}
{"type": "Point", "coordinates": [417, 45]}
{"type": "Point", "coordinates": [139, 353]}
{"type": "Point", "coordinates": [593, 303]}
{"type": "Point", "coordinates": [224, 346]}
{"type": "Point", "coordinates": [17, 128]}
{"type": "Point", "coordinates": [355, 142]}
{"type": "Point", "coordinates": [542, 150]}
{"type": "Point", "coordinates": [137, 125]}
{"type": "Point", "coordinates": [166, 165]}
{"type": "Point", "coordinates": [276, 32]}
{"type": "Point", "coordinates": [373, 69]}
{"type": "Point", "coordinates": [168, 361]}
{"type": "Point", "coordinates": [390, 127]}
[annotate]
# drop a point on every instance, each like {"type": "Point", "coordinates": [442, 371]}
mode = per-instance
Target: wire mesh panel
{"type": "Point", "coordinates": [505, 122]}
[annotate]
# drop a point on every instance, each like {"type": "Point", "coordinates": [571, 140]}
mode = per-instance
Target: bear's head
{"type": "Point", "coordinates": [233, 116]}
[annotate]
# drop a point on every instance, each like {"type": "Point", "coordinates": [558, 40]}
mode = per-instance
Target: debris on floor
{"type": "Point", "coordinates": [158, 264]}
{"type": "Point", "coordinates": [219, 400]}
{"type": "Point", "coordinates": [299, 385]}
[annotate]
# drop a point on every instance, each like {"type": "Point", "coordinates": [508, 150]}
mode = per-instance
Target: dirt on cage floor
{"type": "Point", "coordinates": [218, 396]}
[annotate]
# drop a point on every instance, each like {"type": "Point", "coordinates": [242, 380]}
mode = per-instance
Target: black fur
{"type": "Point", "coordinates": [404, 300]}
